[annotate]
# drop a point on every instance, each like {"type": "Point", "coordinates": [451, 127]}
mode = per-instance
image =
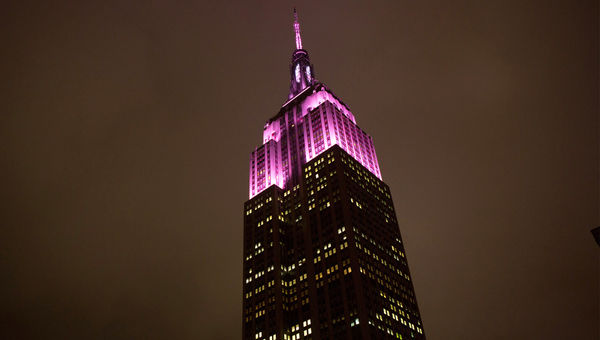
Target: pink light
{"type": "Point", "coordinates": [307, 124]}
{"type": "Point", "coordinates": [265, 168]}
{"type": "Point", "coordinates": [271, 131]}
{"type": "Point", "coordinates": [270, 164]}
{"type": "Point", "coordinates": [297, 31]}
{"type": "Point", "coordinates": [322, 96]}
{"type": "Point", "coordinates": [334, 125]}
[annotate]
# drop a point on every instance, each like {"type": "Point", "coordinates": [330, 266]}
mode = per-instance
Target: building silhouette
{"type": "Point", "coordinates": [323, 255]}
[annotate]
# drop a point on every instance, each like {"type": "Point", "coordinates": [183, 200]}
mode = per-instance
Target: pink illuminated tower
{"type": "Point", "coordinates": [323, 254]}
{"type": "Point", "coordinates": [309, 122]}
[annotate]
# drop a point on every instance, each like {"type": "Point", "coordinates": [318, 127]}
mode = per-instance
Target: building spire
{"type": "Point", "coordinates": [301, 70]}
{"type": "Point", "coordinates": [297, 31]}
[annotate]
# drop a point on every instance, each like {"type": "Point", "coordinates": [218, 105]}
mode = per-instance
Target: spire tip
{"type": "Point", "coordinates": [297, 30]}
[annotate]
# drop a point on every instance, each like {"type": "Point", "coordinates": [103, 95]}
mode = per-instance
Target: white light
{"type": "Point", "coordinates": [297, 73]}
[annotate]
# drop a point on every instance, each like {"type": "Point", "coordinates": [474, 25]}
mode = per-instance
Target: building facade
{"type": "Point", "coordinates": [323, 255]}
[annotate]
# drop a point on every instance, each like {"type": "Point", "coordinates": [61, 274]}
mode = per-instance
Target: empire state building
{"type": "Point", "coordinates": [323, 256]}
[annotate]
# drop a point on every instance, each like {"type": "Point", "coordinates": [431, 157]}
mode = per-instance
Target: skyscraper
{"type": "Point", "coordinates": [323, 255]}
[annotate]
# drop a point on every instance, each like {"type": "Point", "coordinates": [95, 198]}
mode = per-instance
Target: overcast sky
{"type": "Point", "coordinates": [126, 128]}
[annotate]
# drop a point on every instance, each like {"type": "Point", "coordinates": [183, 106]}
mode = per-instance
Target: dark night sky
{"type": "Point", "coordinates": [126, 128]}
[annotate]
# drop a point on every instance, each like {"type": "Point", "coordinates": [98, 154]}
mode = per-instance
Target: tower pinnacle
{"type": "Point", "coordinates": [297, 31]}
{"type": "Point", "coordinates": [301, 70]}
